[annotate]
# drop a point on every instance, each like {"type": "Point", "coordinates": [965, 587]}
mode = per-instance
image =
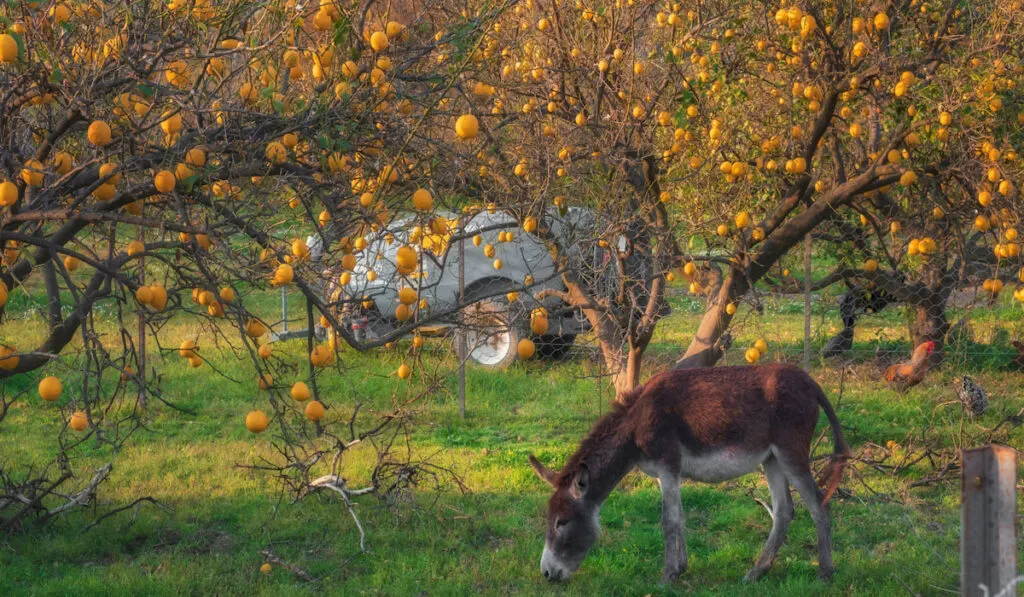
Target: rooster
{"type": "Point", "coordinates": [904, 376]}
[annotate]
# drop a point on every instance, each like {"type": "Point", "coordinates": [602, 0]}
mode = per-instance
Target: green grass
{"type": "Point", "coordinates": [487, 541]}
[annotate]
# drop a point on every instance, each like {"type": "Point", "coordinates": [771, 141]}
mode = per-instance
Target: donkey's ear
{"type": "Point", "coordinates": [581, 482]}
{"type": "Point", "coordinates": [547, 475]}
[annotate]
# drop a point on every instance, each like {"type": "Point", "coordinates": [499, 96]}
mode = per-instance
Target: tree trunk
{"type": "Point", "coordinates": [710, 341]}
{"type": "Point", "coordinates": [930, 325]}
{"type": "Point", "coordinates": [628, 375]}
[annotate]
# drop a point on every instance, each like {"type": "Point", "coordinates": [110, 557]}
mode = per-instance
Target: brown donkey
{"type": "Point", "coordinates": [708, 425]}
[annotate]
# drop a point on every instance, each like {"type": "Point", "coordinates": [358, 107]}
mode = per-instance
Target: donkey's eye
{"type": "Point", "coordinates": [561, 522]}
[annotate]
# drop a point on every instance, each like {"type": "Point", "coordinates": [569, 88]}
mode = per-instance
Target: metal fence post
{"type": "Point", "coordinates": [141, 356]}
{"type": "Point", "coordinates": [988, 551]}
{"type": "Point", "coordinates": [807, 303]}
{"type": "Point", "coordinates": [284, 312]}
{"type": "Point", "coordinates": [461, 332]}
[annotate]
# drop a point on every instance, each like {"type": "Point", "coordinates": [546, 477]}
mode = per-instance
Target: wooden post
{"type": "Point", "coordinates": [988, 551]}
{"type": "Point", "coordinates": [460, 338]}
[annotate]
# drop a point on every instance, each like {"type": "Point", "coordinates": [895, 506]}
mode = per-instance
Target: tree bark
{"type": "Point", "coordinates": [930, 325]}
{"type": "Point", "coordinates": [707, 345]}
{"type": "Point", "coordinates": [628, 375]}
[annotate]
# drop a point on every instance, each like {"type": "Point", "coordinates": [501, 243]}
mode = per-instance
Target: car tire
{"type": "Point", "coordinates": [492, 325]}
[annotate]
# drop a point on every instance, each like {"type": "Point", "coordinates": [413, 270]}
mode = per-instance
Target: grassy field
{"type": "Point", "coordinates": [890, 537]}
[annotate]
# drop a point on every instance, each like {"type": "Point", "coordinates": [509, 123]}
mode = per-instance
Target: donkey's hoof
{"type": "Point", "coordinates": [825, 574]}
{"type": "Point", "coordinates": [755, 574]}
{"type": "Point", "coordinates": [670, 576]}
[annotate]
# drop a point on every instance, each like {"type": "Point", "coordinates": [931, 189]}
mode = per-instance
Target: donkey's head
{"type": "Point", "coordinates": [572, 526]}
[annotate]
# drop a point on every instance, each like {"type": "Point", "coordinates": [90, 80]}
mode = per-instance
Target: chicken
{"type": "Point", "coordinates": [840, 344]}
{"type": "Point", "coordinates": [971, 395]}
{"type": "Point", "coordinates": [1018, 361]}
{"type": "Point", "coordinates": [904, 376]}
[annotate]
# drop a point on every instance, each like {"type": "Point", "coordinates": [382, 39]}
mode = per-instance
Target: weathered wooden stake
{"type": "Point", "coordinates": [988, 542]}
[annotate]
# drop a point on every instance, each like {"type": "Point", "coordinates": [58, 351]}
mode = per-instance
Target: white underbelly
{"type": "Point", "coordinates": [720, 465]}
{"type": "Point", "coordinates": [712, 466]}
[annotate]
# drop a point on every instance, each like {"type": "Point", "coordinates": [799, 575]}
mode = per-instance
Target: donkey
{"type": "Point", "coordinates": [708, 425]}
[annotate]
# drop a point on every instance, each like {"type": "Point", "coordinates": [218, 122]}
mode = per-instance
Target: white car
{"type": "Point", "coordinates": [494, 324]}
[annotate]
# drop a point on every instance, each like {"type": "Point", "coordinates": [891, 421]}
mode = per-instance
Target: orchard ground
{"type": "Point", "coordinates": [488, 541]}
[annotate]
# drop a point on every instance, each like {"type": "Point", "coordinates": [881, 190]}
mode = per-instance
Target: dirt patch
{"type": "Point", "coordinates": [209, 541]}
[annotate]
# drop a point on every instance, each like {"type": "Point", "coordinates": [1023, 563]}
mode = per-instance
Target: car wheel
{"type": "Point", "coordinates": [491, 338]}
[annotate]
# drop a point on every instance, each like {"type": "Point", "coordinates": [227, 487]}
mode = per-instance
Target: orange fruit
{"type": "Point", "coordinates": [7, 361]}
{"type": "Point", "coordinates": [407, 295]}
{"type": "Point", "coordinates": [300, 392]}
{"type": "Point", "coordinates": [79, 421]}
{"type": "Point", "coordinates": [8, 49]}
{"type": "Point", "coordinates": [164, 181]}
{"type": "Point", "coordinates": [256, 421]}
{"type": "Point", "coordinates": [321, 356]}
{"type": "Point", "coordinates": [467, 126]}
{"type": "Point", "coordinates": [144, 295]}
{"type": "Point", "coordinates": [283, 275]}
{"type": "Point", "coordinates": [406, 259]}
{"type": "Point", "coordinates": [422, 200]}
{"type": "Point", "coordinates": [98, 133]}
{"type": "Point", "coordinates": [315, 410]}
{"type": "Point", "coordinates": [159, 300]}
{"type": "Point", "coordinates": [276, 152]}
{"type": "Point", "coordinates": [8, 193]}
{"type": "Point", "coordinates": [187, 349]}
{"type": "Point", "coordinates": [32, 173]}
{"type": "Point", "coordinates": [196, 157]}
{"type": "Point", "coordinates": [379, 41]}
{"type": "Point", "coordinates": [50, 388]}
{"type": "Point", "coordinates": [254, 328]}
{"type": "Point", "coordinates": [539, 323]}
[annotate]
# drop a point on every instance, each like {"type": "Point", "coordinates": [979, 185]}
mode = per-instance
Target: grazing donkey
{"type": "Point", "coordinates": [709, 425]}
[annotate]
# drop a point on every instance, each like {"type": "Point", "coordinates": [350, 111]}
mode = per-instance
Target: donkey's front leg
{"type": "Point", "coordinates": [672, 526]}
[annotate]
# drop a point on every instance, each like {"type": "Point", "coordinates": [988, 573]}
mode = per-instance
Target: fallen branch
{"type": "Point", "coordinates": [136, 505]}
{"type": "Point", "coordinates": [273, 559]}
{"type": "Point", "coordinates": [339, 486]}
{"type": "Point", "coordinates": [83, 497]}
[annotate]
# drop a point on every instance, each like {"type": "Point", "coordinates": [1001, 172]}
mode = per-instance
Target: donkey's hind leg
{"type": "Point", "coordinates": [672, 525]}
{"type": "Point", "coordinates": [803, 481]}
{"type": "Point", "coordinates": [782, 515]}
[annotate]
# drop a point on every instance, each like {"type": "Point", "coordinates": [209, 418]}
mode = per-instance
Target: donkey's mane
{"type": "Point", "coordinates": [604, 437]}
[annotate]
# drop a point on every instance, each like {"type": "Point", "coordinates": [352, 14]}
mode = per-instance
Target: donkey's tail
{"type": "Point", "coordinates": [832, 474]}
